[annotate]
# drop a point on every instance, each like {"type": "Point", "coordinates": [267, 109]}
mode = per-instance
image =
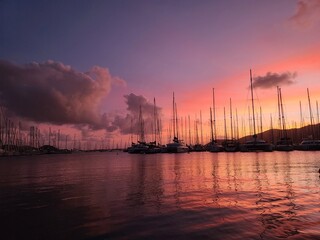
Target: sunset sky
{"type": "Point", "coordinates": [87, 66]}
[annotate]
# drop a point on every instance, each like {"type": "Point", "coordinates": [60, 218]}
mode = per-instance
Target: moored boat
{"type": "Point", "coordinates": [140, 147]}
{"type": "Point", "coordinates": [230, 145]}
{"type": "Point", "coordinates": [309, 145]}
{"type": "Point", "coordinates": [255, 144]}
{"type": "Point", "coordinates": [213, 145]}
{"type": "Point", "coordinates": [284, 144]}
{"type": "Point", "coordinates": [177, 145]}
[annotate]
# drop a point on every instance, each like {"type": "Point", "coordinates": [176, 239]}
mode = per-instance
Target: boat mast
{"type": "Point", "coordinates": [301, 121]}
{"type": "Point", "coordinates": [271, 127]}
{"type": "Point", "coordinates": [317, 112]}
{"type": "Point", "coordinates": [279, 112]}
{"type": "Point", "coordinates": [173, 117]}
{"type": "Point", "coordinates": [155, 119]}
{"type": "Point", "coordinates": [196, 130]}
{"type": "Point", "coordinates": [201, 127]}
{"type": "Point", "coordinates": [176, 114]}
{"type": "Point", "coordinates": [214, 115]}
{"type": "Point", "coordinates": [181, 127]}
{"type": "Point", "coordinates": [317, 119]}
{"type": "Point", "coordinates": [282, 116]}
{"type": "Point", "coordinates": [261, 130]}
{"type": "Point", "coordinates": [250, 124]}
{"type": "Point", "coordinates": [185, 128]}
{"type": "Point", "coordinates": [212, 140]}
{"type": "Point", "coordinates": [225, 124]}
{"type": "Point", "coordinates": [310, 111]}
{"type": "Point", "coordinates": [159, 129]}
{"type": "Point", "coordinates": [252, 104]}
{"type": "Point", "coordinates": [131, 130]}
{"type": "Point", "coordinates": [231, 125]}
{"type": "Point", "coordinates": [141, 126]}
{"type": "Point", "coordinates": [237, 124]}
{"type": "Point", "coordinates": [190, 142]}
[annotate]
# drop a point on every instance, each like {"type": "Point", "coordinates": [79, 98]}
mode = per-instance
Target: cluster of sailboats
{"type": "Point", "coordinates": [254, 144]}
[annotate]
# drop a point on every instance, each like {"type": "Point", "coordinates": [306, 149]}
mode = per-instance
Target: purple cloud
{"type": "Point", "coordinates": [52, 92]}
{"type": "Point", "coordinates": [274, 79]}
{"type": "Point", "coordinates": [307, 13]}
{"type": "Point", "coordinates": [130, 123]}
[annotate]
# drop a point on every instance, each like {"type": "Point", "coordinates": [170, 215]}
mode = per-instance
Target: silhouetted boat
{"type": "Point", "coordinates": [155, 147]}
{"type": "Point", "coordinates": [310, 144]}
{"type": "Point", "coordinates": [213, 146]}
{"type": "Point", "coordinates": [255, 144]}
{"type": "Point", "coordinates": [285, 143]}
{"type": "Point", "coordinates": [177, 145]}
{"type": "Point", "coordinates": [230, 145]}
{"type": "Point", "coordinates": [141, 146]}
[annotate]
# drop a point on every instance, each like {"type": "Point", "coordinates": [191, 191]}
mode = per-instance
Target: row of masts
{"type": "Point", "coordinates": [194, 131]}
{"type": "Point", "coordinates": [233, 138]}
{"type": "Point", "coordinates": [18, 139]}
{"type": "Point", "coordinates": [13, 138]}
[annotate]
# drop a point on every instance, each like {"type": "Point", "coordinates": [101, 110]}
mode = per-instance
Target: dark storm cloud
{"type": "Point", "coordinates": [52, 92]}
{"type": "Point", "coordinates": [130, 123]}
{"type": "Point", "coordinates": [271, 80]}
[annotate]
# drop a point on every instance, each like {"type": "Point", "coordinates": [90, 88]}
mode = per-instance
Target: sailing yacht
{"type": "Point", "coordinates": [141, 146]}
{"type": "Point", "coordinates": [310, 144]}
{"type": "Point", "coordinates": [285, 143]}
{"type": "Point", "coordinates": [213, 146]}
{"type": "Point", "coordinates": [255, 144]}
{"type": "Point", "coordinates": [230, 145]}
{"type": "Point", "coordinates": [155, 147]}
{"type": "Point", "coordinates": [197, 147]}
{"type": "Point", "coordinates": [177, 145]}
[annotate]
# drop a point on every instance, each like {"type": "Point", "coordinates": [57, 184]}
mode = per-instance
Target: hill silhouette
{"type": "Point", "coordinates": [296, 134]}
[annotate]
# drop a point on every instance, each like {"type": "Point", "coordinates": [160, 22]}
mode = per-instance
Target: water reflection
{"type": "Point", "coordinates": [167, 196]}
{"type": "Point", "coordinates": [216, 180]}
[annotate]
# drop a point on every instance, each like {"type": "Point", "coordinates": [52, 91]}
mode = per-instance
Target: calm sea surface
{"type": "Point", "coordinates": [164, 196]}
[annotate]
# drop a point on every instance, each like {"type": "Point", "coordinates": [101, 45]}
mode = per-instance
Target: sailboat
{"type": "Point", "coordinates": [141, 146]}
{"type": "Point", "coordinates": [177, 145]}
{"type": "Point", "coordinates": [155, 147]}
{"type": "Point", "coordinates": [255, 144]}
{"type": "Point", "coordinates": [230, 145]}
{"type": "Point", "coordinates": [213, 146]}
{"type": "Point", "coordinates": [285, 143]}
{"type": "Point", "coordinates": [198, 147]}
{"type": "Point", "coordinates": [310, 144]}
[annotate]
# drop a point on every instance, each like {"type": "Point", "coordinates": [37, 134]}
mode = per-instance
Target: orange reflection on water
{"type": "Point", "coordinates": [271, 191]}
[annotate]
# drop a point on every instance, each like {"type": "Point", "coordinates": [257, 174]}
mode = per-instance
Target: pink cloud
{"type": "Point", "coordinates": [130, 123]}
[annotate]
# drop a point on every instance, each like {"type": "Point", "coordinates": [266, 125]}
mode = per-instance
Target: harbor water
{"type": "Point", "coordinates": [116, 195]}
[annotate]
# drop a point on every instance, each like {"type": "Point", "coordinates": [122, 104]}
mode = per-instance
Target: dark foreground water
{"type": "Point", "coordinates": [165, 196]}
